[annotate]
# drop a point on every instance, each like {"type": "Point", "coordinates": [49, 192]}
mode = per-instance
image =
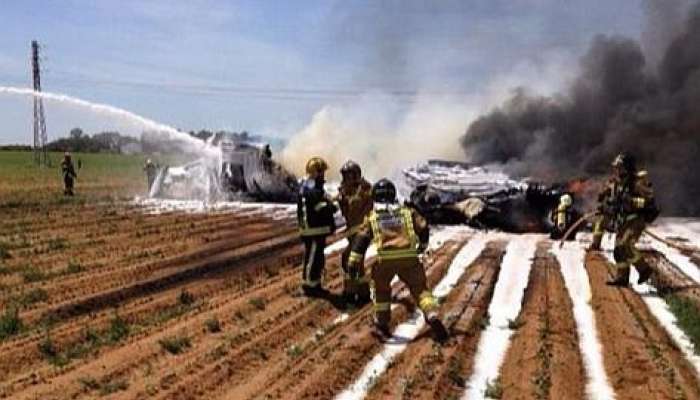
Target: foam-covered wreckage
{"type": "Point", "coordinates": [484, 197]}
{"type": "Point", "coordinates": [242, 171]}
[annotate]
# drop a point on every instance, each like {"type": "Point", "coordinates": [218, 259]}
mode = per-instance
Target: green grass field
{"type": "Point", "coordinates": [102, 176]}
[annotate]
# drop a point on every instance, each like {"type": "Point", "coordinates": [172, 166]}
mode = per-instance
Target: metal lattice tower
{"type": "Point", "coordinates": [40, 139]}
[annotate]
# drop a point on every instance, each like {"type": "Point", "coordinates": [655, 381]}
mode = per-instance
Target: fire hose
{"type": "Point", "coordinates": [648, 232]}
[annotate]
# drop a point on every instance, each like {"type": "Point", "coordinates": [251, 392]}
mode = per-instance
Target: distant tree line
{"type": "Point", "coordinates": [103, 142]}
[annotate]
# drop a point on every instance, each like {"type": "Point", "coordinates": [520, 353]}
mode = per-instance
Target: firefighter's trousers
{"type": "Point", "coordinates": [354, 281]}
{"type": "Point", "coordinates": [599, 225]}
{"type": "Point", "coordinates": [625, 253]}
{"type": "Point", "coordinates": [314, 260]}
{"type": "Point", "coordinates": [68, 185]}
{"type": "Point", "coordinates": [411, 272]}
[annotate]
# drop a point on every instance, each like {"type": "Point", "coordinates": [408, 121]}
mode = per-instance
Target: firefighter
{"type": "Point", "coordinates": [631, 206]}
{"type": "Point", "coordinates": [400, 234]}
{"type": "Point", "coordinates": [603, 220]}
{"type": "Point", "coordinates": [315, 212]}
{"type": "Point", "coordinates": [563, 216]}
{"type": "Point", "coordinates": [151, 171]}
{"type": "Point", "coordinates": [355, 200]}
{"type": "Point", "coordinates": [69, 175]}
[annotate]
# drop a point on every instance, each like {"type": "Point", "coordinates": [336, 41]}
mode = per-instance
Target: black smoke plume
{"type": "Point", "coordinates": [619, 102]}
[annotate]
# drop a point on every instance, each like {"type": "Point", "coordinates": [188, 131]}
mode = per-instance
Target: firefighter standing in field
{"type": "Point", "coordinates": [151, 171]}
{"type": "Point", "coordinates": [315, 212]}
{"type": "Point", "coordinates": [629, 202]}
{"type": "Point", "coordinates": [400, 234]}
{"type": "Point", "coordinates": [563, 216]}
{"type": "Point", "coordinates": [355, 200]}
{"type": "Point", "coordinates": [69, 175]}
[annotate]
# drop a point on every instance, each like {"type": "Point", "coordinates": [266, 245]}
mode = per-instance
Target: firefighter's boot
{"type": "Point", "coordinates": [622, 278]}
{"type": "Point", "coordinates": [439, 331]}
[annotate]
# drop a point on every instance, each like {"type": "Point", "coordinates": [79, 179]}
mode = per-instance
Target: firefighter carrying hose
{"type": "Point", "coordinates": [355, 200]}
{"type": "Point", "coordinates": [629, 203]}
{"type": "Point", "coordinates": [400, 234]}
{"type": "Point", "coordinates": [315, 212]}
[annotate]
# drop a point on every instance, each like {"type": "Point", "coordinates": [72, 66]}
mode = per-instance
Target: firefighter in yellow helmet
{"type": "Point", "coordinates": [315, 212]}
{"type": "Point", "coordinates": [631, 206]}
{"type": "Point", "coordinates": [355, 201]}
{"type": "Point", "coordinates": [563, 216]}
{"type": "Point", "coordinates": [400, 234]}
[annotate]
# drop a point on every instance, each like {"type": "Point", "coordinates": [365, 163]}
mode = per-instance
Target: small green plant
{"type": "Point", "coordinates": [687, 318]}
{"type": "Point", "coordinates": [213, 325]}
{"type": "Point", "coordinates": [118, 329]}
{"type": "Point", "coordinates": [494, 389]}
{"type": "Point", "coordinates": [50, 352]}
{"type": "Point", "coordinates": [515, 324]}
{"type": "Point", "coordinates": [31, 273]}
{"type": "Point", "coordinates": [484, 322]}
{"type": "Point", "coordinates": [185, 298]}
{"type": "Point", "coordinates": [57, 244]}
{"type": "Point", "coordinates": [175, 344]}
{"type": "Point", "coordinates": [36, 295]}
{"type": "Point", "coordinates": [89, 383]}
{"type": "Point", "coordinates": [294, 351]}
{"type": "Point", "coordinates": [10, 323]}
{"type": "Point", "coordinates": [258, 303]}
{"type": "Point", "coordinates": [74, 267]}
{"type": "Point", "coordinates": [113, 387]}
{"type": "Point", "coordinates": [4, 251]}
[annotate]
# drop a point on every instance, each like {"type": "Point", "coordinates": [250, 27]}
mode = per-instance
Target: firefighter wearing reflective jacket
{"type": "Point", "coordinates": [355, 200]}
{"type": "Point", "coordinates": [400, 234]}
{"type": "Point", "coordinates": [563, 216]}
{"type": "Point", "coordinates": [315, 218]}
{"type": "Point", "coordinates": [630, 206]}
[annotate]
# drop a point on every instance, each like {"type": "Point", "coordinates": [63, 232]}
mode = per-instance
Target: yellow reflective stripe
{"type": "Point", "coordinates": [426, 301]}
{"type": "Point", "coordinates": [355, 257]}
{"type": "Point", "coordinates": [376, 234]}
{"type": "Point", "coordinates": [408, 225]}
{"type": "Point", "coordinates": [382, 306]}
{"type": "Point", "coordinates": [397, 254]}
{"type": "Point", "coordinates": [318, 207]}
{"type": "Point", "coordinates": [638, 202]}
{"type": "Point", "coordinates": [314, 231]}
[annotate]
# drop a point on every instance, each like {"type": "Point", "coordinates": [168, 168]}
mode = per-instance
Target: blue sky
{"type": "Point", "coordinates": [268, 66]}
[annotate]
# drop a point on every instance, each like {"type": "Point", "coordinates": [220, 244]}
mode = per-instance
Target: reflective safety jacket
{"type": "Point", "coordinates": [398, 232]}
{"type": "Point", "coordinates": [314, 209]}
{"type": "Point", "coordinates": [355, 203]}
{"type": "Point", "coordinates": [629, 199]}
{"type": "Point", "coordinates": [68, 170]}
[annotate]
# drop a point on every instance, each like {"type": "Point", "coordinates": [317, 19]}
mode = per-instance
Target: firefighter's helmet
{"type": "Point", "coordinates": [626, 162]}
{"type": "Point", "coordinates": [351, 167]}
{"type": "Point", "coordinates": [66, 154]}
{"type": "Point", "coordinates": [384, 191]}
{"type": "Point", "coordinates": [566, 200]}
{"type": "Point", "coordinates": [316, 165]}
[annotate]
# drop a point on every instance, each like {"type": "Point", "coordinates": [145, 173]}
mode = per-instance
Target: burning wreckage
{"type": "Point", "coordinates": [447, 192]}
{"type": "Point", "coordinates": [242, 171]}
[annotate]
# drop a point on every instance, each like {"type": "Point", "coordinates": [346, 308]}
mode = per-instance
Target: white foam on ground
{"type": "Point", "coordinates": [683, 262]}
{"type": "Point", "coordinates": [660, 310]}
{"type": "Point", "coordinates": [572, 258]}
{"type": "Point", "coordinates": [505, 305]}
{"type": "Point", "coordinates": [408, 330]}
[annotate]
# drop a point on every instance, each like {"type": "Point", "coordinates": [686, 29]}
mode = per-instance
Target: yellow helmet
{"type": "Point", "coordinates": [316, 165]}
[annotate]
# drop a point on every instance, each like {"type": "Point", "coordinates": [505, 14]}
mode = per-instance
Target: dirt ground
{"type": "Point", "coordinates": [120, 300]}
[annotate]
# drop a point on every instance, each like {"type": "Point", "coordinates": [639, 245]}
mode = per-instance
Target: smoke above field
{"type": "Point", "coordinates": [629, 96]}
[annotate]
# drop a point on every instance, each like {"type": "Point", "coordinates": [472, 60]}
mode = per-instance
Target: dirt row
{"type": "Point", "coordinates": [223, 318]}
